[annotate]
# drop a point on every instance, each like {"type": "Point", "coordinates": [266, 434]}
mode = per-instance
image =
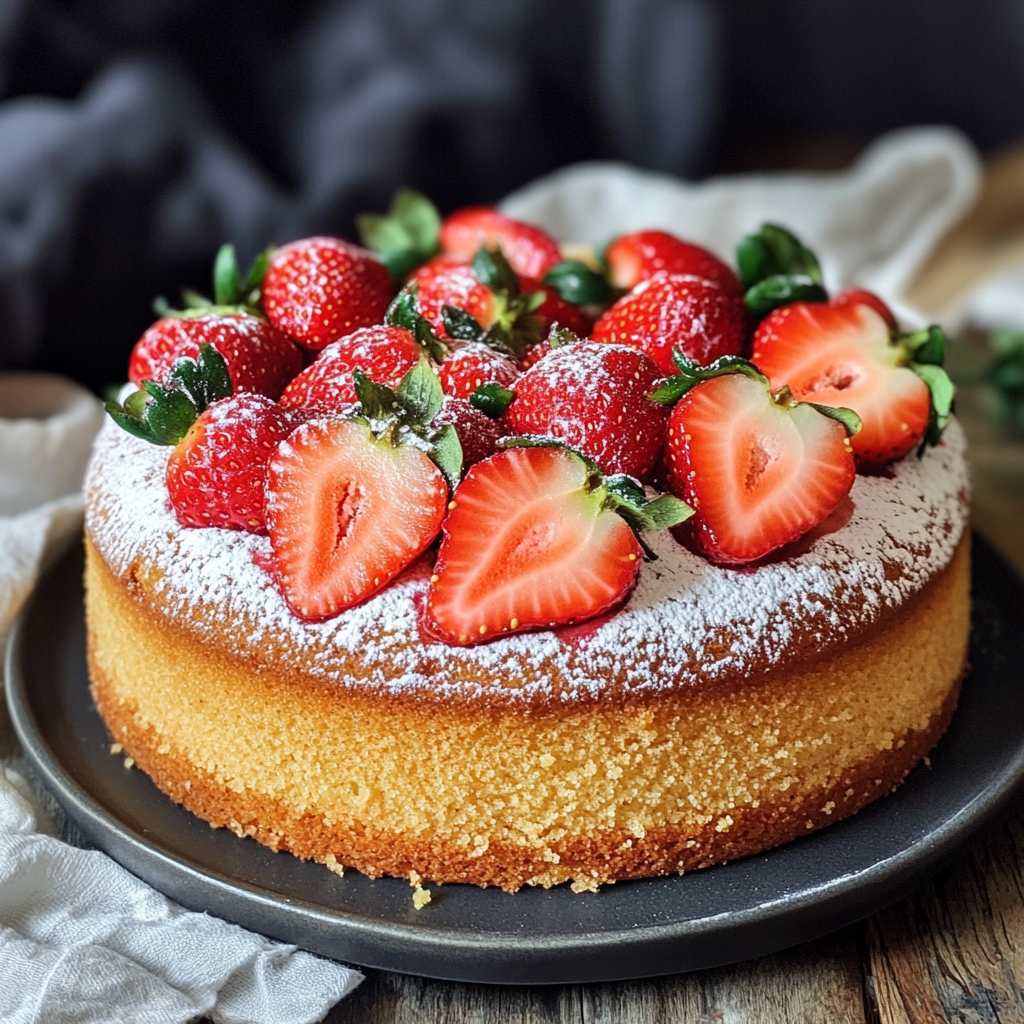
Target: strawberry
{"type": "Point", "coordinates": [317, 290]}
{"type": "Point", "coordinates": [594, 397]}
{"type": "Point", "coordinates": [855, 296]}
{"type": "Point", "coordinates": [385, 354]}
{"type": "Point", "coordinates": [352, 501]}
{"type": "Point", "coordinates": [530, 250]}
{"type": "Point", "coordinates": [676, 310]}
{"type": "Point", "coordinates": [259, 358]}
{"type": "Point", "coordinates": [639, 256]}
{"type": "Point", "coordinates": [478, 433]}
{"type": "Point", "coordinates": [472, 364]}
{"type": "Point", "coordinates": [215, 474]}
{"type": "Point", "coordinates": [759, 469]}
{"type": "Point", "coordinates": [556, 310]}
{"type": "Point", "coordinates": [533, 540]}
{"type": "Point", "coordinates": [845, 355]}
{"type": "Point", "coordinates": [478, 301]}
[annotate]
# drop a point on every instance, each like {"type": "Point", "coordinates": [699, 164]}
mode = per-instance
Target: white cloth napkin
{"type": "Point", "coordinates": [82, 941]}
{"type": "Point", "coordinates": [873, 225]}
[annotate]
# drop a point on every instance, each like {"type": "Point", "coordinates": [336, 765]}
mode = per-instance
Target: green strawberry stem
{"type": "Point", "coordinates": [231, 292]}
{"type": "Point", "coordinates": [407, 236]}
{"type": "Point", "coordinates": [163, 413]}
{"type": "Point", "coordinates": [406, 415]}
{"type": "Point", "coordinates": [623, 494]}
{"type": "Point", "coordinates": [776, 268]}
{"type": "Point", "coordinates": [577, 283]}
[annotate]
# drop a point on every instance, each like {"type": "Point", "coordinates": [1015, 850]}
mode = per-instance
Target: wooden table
{"type": "Point", "coordinates": [954, 951]}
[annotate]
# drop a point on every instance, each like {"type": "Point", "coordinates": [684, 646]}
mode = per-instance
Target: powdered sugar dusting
{"type": "Point", "coordinates": [687, 620]}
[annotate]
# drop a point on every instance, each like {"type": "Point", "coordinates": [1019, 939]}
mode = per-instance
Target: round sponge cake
{"type": "Point", "coordinates": [718, 713]}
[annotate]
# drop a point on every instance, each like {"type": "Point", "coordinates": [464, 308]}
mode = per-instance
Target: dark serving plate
{"type": "Point", "coordinates": [630, 930]}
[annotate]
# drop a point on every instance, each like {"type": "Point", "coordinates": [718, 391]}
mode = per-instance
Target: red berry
{"type": "Point", "coordinates": [556, 310]}
{"type": "Point", "coordinates": [638, 257]}
{"type": "Point", "coordinates": [478, 433]}
{"type": "Point", "coordinates": [671, 310]}
{"type": "Point", "coordinates": [317, 290]}
{"type": "Point", "coordinates": [855, 296]}
{"type": "Point", "coordinates": [259, 358]}
{"type": "Point", "coordinates": [844, 355]}
{"type": "Point", "coordinates": [528, 544]}
{"type": "Point", "coordinates": [468, 366]}
{"type": "Point", "coordinates": [216, 473]}
{"type": "Point", "coordinates": [347, 513]}
{"type": "Point", "coordinates": [445, 282]}
{"type": "Point", "coordinates": [758, 474]}
{"type": "Point", "coordinates": [530, 250]}
{"type": "Point", "coordinates": [595, 398]}
{"type": "Point", "coordinates": [325, 387]}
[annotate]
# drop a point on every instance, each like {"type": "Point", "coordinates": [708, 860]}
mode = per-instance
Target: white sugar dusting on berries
{"type": "Point", "coordinates": [686, 621]}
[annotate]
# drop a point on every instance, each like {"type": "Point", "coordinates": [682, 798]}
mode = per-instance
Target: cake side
{"type": "Point", "coordinates": [591, 792]}
{"type": "Point", "coordinates": [688, 625]}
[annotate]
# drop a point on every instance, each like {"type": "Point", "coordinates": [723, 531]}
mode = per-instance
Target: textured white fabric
{"type": "Point", "coordinates": [873, 225]}
{"type": "Point", "coordinates": [81, 939]}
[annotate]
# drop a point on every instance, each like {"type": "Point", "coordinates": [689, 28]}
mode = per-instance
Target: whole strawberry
{"type": "Point", "coordinates": [595, 397]}
{"type": "Point", "coordinates": [216, 472]}
{"type": "Point", "coordinates": [530, 250]}
{"type": "Point", "coordinates": [556, 310]}
{"type": "Point", "coordinates": [671, 311]}
{"type": "Point", "coordinates": [469, 365]}
{"type": "Point", "coordinates": [639, 256]}
{"type": "Point", "coordinates": [317, 290]}
{"type": "Point", "coordinates": [478, 433]}
{"type": "Point", "coordinates": [259, 358]}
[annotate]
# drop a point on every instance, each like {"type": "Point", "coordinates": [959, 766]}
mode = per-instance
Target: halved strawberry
{"type": "Point", "coordinates": [639, 256]}
{"type": "Point", "coordinates": [859, 296]}
{"type": "Point", "coordinates": [670, 311]}
{"type": "Point", "coordinates": [594, 397]}
{"type": "Point", "coordinates": [533, 540]}
{"type": "Point", "coordinates": [317, 290]}
{"type": "Point", "coordinates": [845, 355]}
{"type": "Point", "coordinates": [759, 470]}
{"type": "Point", "coordinates": [530, 250]}
{"type": "Point", "coordinates": [346, 513]}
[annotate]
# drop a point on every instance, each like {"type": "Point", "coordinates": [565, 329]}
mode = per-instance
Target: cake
{"type": "Point", "coordinates": [717, 710]}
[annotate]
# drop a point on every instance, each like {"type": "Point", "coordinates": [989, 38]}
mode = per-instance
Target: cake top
{"type": "Point", "coordinates": [687, 623]}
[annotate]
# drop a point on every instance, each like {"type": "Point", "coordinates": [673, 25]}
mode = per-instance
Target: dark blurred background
{"type": "Point", "coordinates": [136, 135]}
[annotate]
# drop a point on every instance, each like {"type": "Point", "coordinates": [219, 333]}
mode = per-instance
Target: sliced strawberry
{"type": "Point", "coordinates": [528, 543]}
{"type": "Point", "coordinates": [639, 256]}
{"type": "Point", "coordinates": [858, 296]}
{"type": "Point", "coordinates": [384, 353]}
{"type": "Point", "coordinates": [259, 358]}
{"type": "Point", "coordinates": [845, 356]}
{"type": "Point", "coordinates": [347, 513]}
{"type": "Point", "coordinates": [478, 433]}
{"type": "Point", "coordinates": [595, 397]}
{"type": "Point", "coordinates": [317, 290]}
{"type": "Point", "coordinates": [676, 310]}
{"type": "Point", "coordinates": [469, 365]}
{"type": "Point", "coordinates": [758, 470]}
{"type": "Point", "coordinates": [216, 473]}
{"type": "Point", "coordinates": [531, 250]}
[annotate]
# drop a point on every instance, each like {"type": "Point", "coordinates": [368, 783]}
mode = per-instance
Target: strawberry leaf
{"type": "Point", "coordinates": [772, 252]}
{"type": "Point", "coordinates": [780, 290]}
{"type": "Point", "coordinates": [493, 270]}
{"type": "Point", "coordinates": [446, 452]}
{"type": "Point", "coordinates": [847, 417]}
{"type": "Point", "coordinates": [927, 346]}
{"type": "Point", "coordinates": [577, 283]}
{"type": "Point", "coordinates": [420, 394]}
{"type": "Point", "coordinates": [942, 393]}
{"type": "Point", "coordinates": [691, 374]}
{"type": "Point", "coordinates": [377, 402]}
{"type": "Point", "coordinates": [491, 399]}
{"type": "Point", "coordinates": [257, 271]}
{"type": "Point", "coordinates": [559, 336]}
{"type": "Point", "coordinates": [460, 325]}
{"type": "Point", "coordinates": [226, 279]}
{"type": "Point", "coordinates": [403, 311]}
{"type": "Point", "coordinates": [407, 237]}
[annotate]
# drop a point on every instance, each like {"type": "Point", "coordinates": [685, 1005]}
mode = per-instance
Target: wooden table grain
{"type": "Point", "coordinates": [952, 952]}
